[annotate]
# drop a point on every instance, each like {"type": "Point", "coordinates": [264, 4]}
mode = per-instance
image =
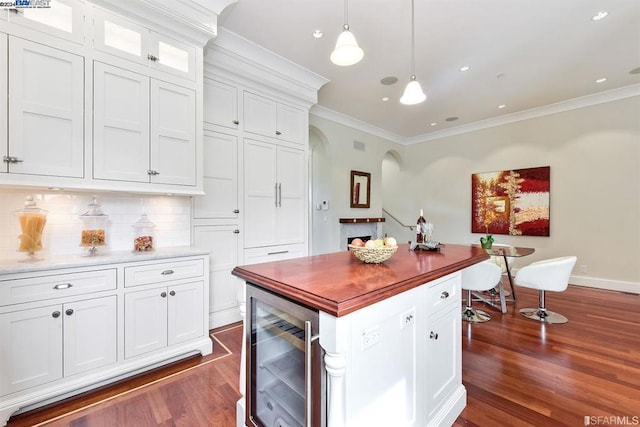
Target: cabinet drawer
{"type": "Point", "coordinates": [444, 293]}
{"type": "Point", "coordinates": [37, 288]}
{"type": "Point", "coordinates": [162, 272]}
{"type": "Point", "coordinates": [273, 253]}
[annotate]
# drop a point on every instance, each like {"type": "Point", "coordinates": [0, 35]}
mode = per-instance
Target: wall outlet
{"type": "Point", "coordinates": [583, 268]}
{"type": "Point", "coordinates": [407, 318]}
{"type": "Point", "coordinates": [370, 337]}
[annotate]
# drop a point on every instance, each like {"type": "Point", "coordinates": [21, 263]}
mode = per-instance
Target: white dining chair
{"type": "Point", "coordinates": [478, 277]}
{"type": "Point", "coordinates": [547, 275]}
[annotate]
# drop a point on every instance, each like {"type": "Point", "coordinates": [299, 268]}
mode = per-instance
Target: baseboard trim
{"type": "Point", "coordinates": [612, 285]}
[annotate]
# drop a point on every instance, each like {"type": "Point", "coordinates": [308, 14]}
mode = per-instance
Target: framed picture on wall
{"type": "Point", "coordinates": [514, 202]}
{"type": "Point", "coordinates": [360, 189]}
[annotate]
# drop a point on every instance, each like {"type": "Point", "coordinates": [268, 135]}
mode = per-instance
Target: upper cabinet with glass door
{"type": "Point", "coordinates": [126, 39]}
{"type": "Point", "coordinates": [63, 19]}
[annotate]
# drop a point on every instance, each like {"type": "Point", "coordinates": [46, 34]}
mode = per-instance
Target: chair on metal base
{"type": "Point", "coordinates": [548, 275]}
{"type": "Point", "coordinates": [478, 277]}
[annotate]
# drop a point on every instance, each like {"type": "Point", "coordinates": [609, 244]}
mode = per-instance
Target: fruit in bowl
{"type": "Point", "coordinates": [374, 251]}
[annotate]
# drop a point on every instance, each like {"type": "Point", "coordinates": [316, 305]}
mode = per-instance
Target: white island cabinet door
{"type": "Point", "coordinates": [173, 136]}
{"type": "Point", "coordinates": [145, 321]}
{"type": "Point", "coordinates": [89, 334]}
{"type": "Point", "coordinates": [46, 110]}
{"type": "Point", "coordinates": [185, 320]}
{"type": "Point", "coordinates": [31, 350]}
{"type": "Point", "coordinates": [120, 124]}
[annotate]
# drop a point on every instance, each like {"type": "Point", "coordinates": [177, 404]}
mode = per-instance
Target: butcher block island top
{"type": "Point", "coordinates": [338, 283]}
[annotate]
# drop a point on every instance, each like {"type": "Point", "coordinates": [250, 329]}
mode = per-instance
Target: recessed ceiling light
{"type": "Point", "coordinates": [389, 80]}
{"type": "Point", "coordinates": [600, 15]}
{"type": "Point", "coordinates": [434, 123]}
{"type": "Point", "coordinates": [465, 68]}
{"type": "Point", "coordinates": [502, 106]}
{"type": "Point", "coordinates": [317, 34]}
{"type": "Point", "coordinates": [385, 98]}
{"type": "Point", "coordinates": [601, 80]}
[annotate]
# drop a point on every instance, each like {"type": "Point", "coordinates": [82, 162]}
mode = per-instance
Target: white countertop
{"type": "Point", "coordinates": [21, 265]}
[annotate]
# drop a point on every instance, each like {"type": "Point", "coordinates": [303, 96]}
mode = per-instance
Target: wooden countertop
{"type": "Point", "coordinates": [338, 283]}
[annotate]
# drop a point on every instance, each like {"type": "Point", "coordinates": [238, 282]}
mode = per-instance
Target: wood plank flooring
{"type": "Point", "coordinates": [517, 373]}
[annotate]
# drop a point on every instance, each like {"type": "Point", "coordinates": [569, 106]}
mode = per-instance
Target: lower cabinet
{"type": "Point", "coordinates": [225, 290]}
{"type": "Point", "coordinates": [44, 344]}
{"type": "Point", "coordinates": [68, 329]}
{"type": "Point", "coordinates": [158, 317]}
{"type": "Point", "coordinates": [444, 370]}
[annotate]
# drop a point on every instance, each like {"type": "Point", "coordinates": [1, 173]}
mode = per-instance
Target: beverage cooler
{"type": "Point", "coordinates": [286, 381]}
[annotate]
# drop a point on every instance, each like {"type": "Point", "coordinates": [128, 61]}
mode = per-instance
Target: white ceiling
{"type": "Point", "coordinates": [522, 53]}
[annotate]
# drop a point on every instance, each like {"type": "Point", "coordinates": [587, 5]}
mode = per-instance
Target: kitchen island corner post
{"type": "Point", "coordinates": [333, 341]}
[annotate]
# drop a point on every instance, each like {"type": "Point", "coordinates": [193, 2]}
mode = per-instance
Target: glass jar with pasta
{"type": "Point", "coordinates": [94, 228]}
{"type": "Point", "coordinates": [32, 221]}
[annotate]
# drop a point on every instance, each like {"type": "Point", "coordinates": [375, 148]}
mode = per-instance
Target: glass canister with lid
{"type": "Point", "coordinates": [32, 221]}
{"type": "Point", "coordinates": [94, 228]}
{"type": "Point", "coordinates": [143, 239]}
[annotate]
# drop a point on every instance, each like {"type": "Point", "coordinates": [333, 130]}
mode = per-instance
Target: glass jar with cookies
{"type": "Point", "coordinates": [94, 228]}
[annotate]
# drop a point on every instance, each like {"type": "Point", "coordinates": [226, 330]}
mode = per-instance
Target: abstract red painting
{"type": "Point", "coordinates": [514, 202]}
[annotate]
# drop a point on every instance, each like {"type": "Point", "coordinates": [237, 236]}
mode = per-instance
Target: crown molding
{"type": "Point", "coordinates": [559, 107]}
{"type": "Point", "coordinates": [241, 60]}
{"type": "Point", "coordinates": [185, 18]}
{"type": "Point", "coordinates": [343, 119]}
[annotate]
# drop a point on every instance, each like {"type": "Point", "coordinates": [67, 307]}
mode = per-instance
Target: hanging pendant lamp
{"type": "Point", "coordinates": [347, 52]}
{"type": "Point", "coordinates": [413, 93]}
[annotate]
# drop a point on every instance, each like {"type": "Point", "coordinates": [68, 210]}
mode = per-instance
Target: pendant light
{"type": "Point", "coordinates": [413, 93]}
{"type": "Point", "coordinates": [347, 51]}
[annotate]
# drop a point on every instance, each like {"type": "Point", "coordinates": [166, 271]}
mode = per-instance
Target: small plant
{"type": "Point", "coordinates": [487, 241]}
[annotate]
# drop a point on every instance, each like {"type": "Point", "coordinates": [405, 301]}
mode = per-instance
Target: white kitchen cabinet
{"type": "Point", "coordinates": [265, 116]}
{"type": "Point", "coordinates": [162, 316]}
{"type": "Point", "coordinates": [444, 352]}
{"type": "Point", "coordinates": [221, 104]}
{"type": "Point", "coordinates": [220, 181]}
{"type": "Point", "coordinates": [223, 242]}
{"type": "Point", "coordinates": [48, 343]}
{"type": "Point", "coordinates": [46, 111]}
{"type": "Point", "coordinates": [69, 324]}
{"type": "Point", "coordinates": [126, 39]}
{"type": "Point", "coordinates": [275, 194]}
{"type": "Point", "coordinates": [144, 129]}
{"type": "Point", "coordinates": [63, 19]}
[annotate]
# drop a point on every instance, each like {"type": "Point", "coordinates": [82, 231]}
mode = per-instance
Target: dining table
{"type": "Point", "coordinates": [504, 251]}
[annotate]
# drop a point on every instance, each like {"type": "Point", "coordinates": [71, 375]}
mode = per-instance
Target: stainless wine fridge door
{"type": "Point", "coordinates": [285, 375]}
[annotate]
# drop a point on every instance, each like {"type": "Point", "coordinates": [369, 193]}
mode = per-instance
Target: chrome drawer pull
{"type": "Point", "coordinates": [69, 312]}
{"type": "Point", "coordinates": [277, 253]}
{"type": "Point", "coordinates": [55, 314]}
{"type": "Point", "coordinates": [63, 286]}
{"type": "Point", "coordinates": [433, 335]}
{"type": "Point", "coordinates": [167, 272]}
{"type": "Point", "coordinates": [444, 295]}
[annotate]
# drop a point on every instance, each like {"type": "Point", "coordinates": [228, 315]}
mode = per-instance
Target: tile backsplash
{"type": "Point", "coordinates": [61, 236]}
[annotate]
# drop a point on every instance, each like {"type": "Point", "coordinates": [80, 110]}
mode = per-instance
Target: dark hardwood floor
{"type": "Point", "coordinates": [517, 373]}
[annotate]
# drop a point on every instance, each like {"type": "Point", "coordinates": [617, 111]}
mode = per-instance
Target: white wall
{"type": "Point", "coordinates": [594, 155]}
{"type": "Point", "coordinates": [342, 158]}
{"type": "Point", "coordinates": [61, 236]}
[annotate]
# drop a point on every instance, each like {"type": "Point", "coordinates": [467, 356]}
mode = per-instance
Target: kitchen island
{"type": "Point", "coordinates": [389, 336]}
